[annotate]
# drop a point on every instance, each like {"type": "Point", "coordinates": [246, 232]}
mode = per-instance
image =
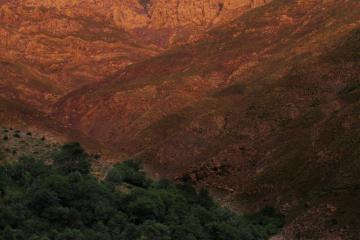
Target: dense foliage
{"type": "Point", "coordinates": [63, 201]}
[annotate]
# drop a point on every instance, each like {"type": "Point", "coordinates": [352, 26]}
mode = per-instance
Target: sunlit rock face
{"type": "Point", "coordinates": [125, 13]}
{"type": "Point", "coordinates": [175, 13]}
{"type": "Point", "coordinates": [49, 48]}
{"type": "Point", "coordinates": [60, 41]}
{"type": "Point", "coordinates": [134, 14]}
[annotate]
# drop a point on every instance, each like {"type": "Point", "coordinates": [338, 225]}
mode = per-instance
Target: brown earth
{"type": "Point", "coordinates": [51, 47]}
{"type": "Point", "coordinates": [63, 50]}
{"type": "Point", "coordinates": [263, 109]}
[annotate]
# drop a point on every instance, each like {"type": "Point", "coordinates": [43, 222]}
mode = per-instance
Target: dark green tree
{"type": "Point", "coordinates": [129, 171]}
{"type": "Point", "coordinates": [72, 158]}
{"type": "Point", "coordinates": [70, 234]}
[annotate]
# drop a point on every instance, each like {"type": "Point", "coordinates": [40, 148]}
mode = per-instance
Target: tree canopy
{"type": "Point", "coordinates": [63, 201]}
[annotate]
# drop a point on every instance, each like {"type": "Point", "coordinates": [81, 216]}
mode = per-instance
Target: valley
{"type": "Point", "coordinates": [257, 101]}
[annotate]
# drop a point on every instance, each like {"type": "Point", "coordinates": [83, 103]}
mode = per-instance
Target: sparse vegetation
{"type": "Point", "coordinates": [349, 88]}
{"type": "Point", "coordinates": [17, 135]}
{"type": "Point", "coordinates": [24, 144]}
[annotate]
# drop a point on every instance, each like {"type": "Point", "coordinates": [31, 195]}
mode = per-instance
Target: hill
{"type": "Point", "coordinates": [261, 110]}
{"type": "Point", "coordinates": [49, 48]}
{"type": "Point", "coordinates": [260, 105]}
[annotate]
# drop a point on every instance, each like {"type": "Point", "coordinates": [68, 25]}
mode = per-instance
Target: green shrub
{"type": "Point", "coordinates": [39, 202]}
{"type": "Point", "coordinates": [2, 155]}
{"type": "Point", "coordinates": [129, 171]}
{"type": "Point", "coordinates": [70, 234]}
{"type": "Point", "coordinates": [71, 158]}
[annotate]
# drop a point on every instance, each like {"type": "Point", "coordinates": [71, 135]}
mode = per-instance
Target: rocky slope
{"type": "Point", "coordinates": [50, 47]}
{"type": "Point", "coordinates": [64, 49]}
{"type": "Point", "coordinates": [160, 22]}
{"type": "Point", "coordinates": [150, 15]}
{"type": "Point", "coordinates": [262, 110]}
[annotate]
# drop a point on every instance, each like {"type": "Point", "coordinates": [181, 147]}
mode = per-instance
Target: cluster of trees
{"type": "Point", "coordinates": [63, 201]}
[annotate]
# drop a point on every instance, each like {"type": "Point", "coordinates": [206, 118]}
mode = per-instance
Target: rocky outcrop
{"type": "Point", "coordinates": [136, 15]}
{"type": "Point", "coordinates": [158, 13]}
{"type": "Point", "coordinates": [202, 13]}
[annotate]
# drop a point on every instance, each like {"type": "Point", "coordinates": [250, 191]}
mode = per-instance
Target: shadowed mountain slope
{"type": "Point", "coordinates": [262, 110]}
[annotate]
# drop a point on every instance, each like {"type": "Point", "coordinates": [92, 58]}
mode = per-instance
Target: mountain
{"type": "Point", "coordinates": [259, 103]}
{"type": "Point", "coordinates": [261, 110]}
{"type": "Point", "coordinates": [50, 47]}
{"type": "Point", "coordinates": [159, 22]}
{"type": "Point", "coordinates": [46, 52]}
{"type": "Point", "coordinates": [64, 49]}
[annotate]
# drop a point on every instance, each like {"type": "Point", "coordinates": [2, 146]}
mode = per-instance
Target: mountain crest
{"type": "Point", "coordinates": [135, 14]}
